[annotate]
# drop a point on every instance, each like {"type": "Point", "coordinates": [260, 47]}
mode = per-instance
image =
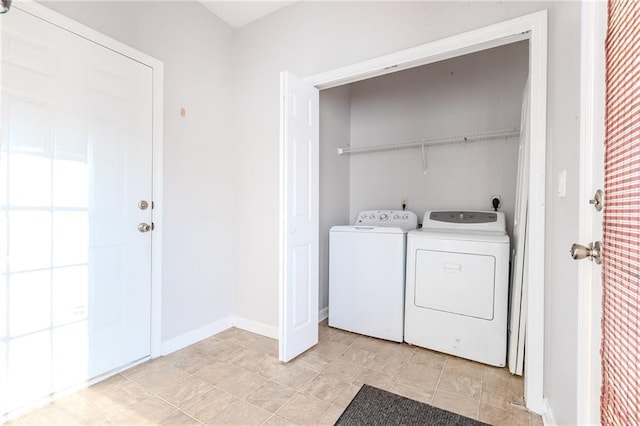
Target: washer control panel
{"type": "Point", "coordinates": [388, 218]}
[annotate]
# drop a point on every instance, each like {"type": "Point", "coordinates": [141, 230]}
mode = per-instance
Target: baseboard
{"type": "Point", "coordinates": [547, 416]}
{"type": "Point", "coordinates": [194, 336]}
{"type": "Point", "coordinates": [255, 327]}
{"type": "Point", "coordinates": [184, 340]}
{"type": "Point", "coordinates": [266, 329]}
{"type": "Point", "coordinates": [323, 314]}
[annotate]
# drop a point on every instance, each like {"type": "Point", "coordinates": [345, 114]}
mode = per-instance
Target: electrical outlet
{"type": "Point", "coordinates": [404, 201]}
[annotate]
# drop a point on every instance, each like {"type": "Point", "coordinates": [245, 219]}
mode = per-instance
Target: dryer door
{"type": "Point", "coordinates": [457, 283]}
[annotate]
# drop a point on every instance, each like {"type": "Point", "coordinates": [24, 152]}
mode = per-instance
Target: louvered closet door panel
{"type": "Point", "coordinates": [620, 402]}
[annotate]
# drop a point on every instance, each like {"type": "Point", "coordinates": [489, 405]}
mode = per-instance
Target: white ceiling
{"type": "Point", "coordinates": [240, 12]}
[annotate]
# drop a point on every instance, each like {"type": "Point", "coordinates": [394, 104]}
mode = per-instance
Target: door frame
{"type": "Point", "coordinates": [534, 28]}
{"type": "Point", "coordinates": [592, 104]}
{"type": "Point", "coordinates": [157, 68]}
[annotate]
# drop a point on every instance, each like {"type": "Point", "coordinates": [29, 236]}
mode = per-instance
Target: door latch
{"type": "Point", "coordinates": [597, 200]}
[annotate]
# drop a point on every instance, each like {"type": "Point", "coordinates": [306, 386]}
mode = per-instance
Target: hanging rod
{"type": "Point", "coordinates": [499, 134]}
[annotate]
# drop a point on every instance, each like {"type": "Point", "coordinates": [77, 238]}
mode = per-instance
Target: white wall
{"type": "Point", "coordinates": [311, 37]}
{"type": "Point", "coordinates": [335, 126]}
{"type": "Point", "coordinates": [199, 190]}
{"type": "Point", "coordinates": [475, 93]}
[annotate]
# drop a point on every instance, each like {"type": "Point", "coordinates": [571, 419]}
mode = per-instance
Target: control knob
{"type": "Point", "coordinates": [384, 216]}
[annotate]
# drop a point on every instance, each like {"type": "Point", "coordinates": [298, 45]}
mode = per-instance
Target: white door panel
{"type": "Point", "coordinates": [300, 259]}
{"type": "Point", "coordinates": [75, 161]}
{"type": "Point", "coordinates": [299, 217]}
{"type": "Point", "coordinates": [519, 271]}
{"type": "Point", "coordinates": [591, 178]}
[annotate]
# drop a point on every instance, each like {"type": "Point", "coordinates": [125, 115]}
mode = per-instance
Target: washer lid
{"type": "Point", "coordinates": [461, 235]}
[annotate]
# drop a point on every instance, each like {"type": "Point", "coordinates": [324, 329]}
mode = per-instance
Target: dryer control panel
{"type": "Point", "coordinates": [467, 220]}
{"type": "Point", "coordinates": [388, 218]}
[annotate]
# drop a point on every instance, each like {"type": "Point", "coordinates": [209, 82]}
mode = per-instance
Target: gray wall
{"type": "Point", "coordinates": [471, 94]}
{"type": "Point", "coordinates": [311, 37]}
{"type": "Point", "coordinates": [335, 126]}
{"type": "Point", "coordinates": [199, 190]}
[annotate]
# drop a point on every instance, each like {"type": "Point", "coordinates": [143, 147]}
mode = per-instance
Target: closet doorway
{"type": "Point", "coordinates": [299, 181]}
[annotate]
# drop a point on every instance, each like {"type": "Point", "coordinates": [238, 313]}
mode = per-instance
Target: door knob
{"type": "Point", "coordinates": [591, 252]}
{"type": "Point", "coordinates": [144, 227]}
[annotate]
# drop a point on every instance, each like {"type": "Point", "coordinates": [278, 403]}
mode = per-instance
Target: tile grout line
{"type": "Point", "coordinates": [163, 399]}
{"type": "Point", "coordinates": [215, 387]}
{"type": "Point", "coordinates": [444, 365]}
{"type": "Point", "coordinates": [269, 379]}
{"type": "Point", "coordinates": [481, 392]}
{"type": "Point", "coordinates": [228, 363]}
{"type": "Point", "coordinates": [98, 408]}
{"type": "Point", "coordinates": [308, 382]}
{"type": "Point", "coordinates": [293, 396]}
{"type": "Point", "coordinates": [516, 408]}
{"type": "Point", "coordinates": [367, 367]}
{"type": "Point", "coordinates": [304, 394]}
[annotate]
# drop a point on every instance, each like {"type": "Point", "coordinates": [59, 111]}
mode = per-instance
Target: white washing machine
{"type": "Point", "coordinates": [458, 284]}
{"type": "Point", "coordinates": [367, 273]}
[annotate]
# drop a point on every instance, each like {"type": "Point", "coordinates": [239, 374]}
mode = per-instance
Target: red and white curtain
{"type": "Point", "coordinates": [620, 402]}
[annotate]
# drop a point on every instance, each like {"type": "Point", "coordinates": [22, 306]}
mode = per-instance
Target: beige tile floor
{"type": "Point", "coordinates": [235, 378]}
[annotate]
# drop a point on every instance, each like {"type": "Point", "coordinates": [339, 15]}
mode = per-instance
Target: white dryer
{"type": "Point", "coordinates": [367, 273]}
{"type": "Point", "coordinates": [458, 284]}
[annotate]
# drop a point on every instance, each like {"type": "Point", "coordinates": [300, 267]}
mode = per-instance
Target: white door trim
{"type": "Point", "coordinates": [157, 67]}
{"type": "Point", "coordinates": [592, 102]}
{"type": "Point", "coordinates": [534, 28]}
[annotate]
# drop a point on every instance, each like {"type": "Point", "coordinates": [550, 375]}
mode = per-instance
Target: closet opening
{"type": "Point", "coordinates": [450, 125]}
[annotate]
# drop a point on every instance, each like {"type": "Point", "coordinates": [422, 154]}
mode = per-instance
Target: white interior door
{"type": "Point", "coordinates": [75, 272]}
{"type": "Point", "coordinates": [299, 216]}
{"type": "Point", "coordinates": [517, 292]}
{"type": "Point", "coordinates": [590, 219]}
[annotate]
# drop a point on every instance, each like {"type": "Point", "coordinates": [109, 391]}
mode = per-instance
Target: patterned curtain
{"type": "Point", "coordinates": [620, 402]}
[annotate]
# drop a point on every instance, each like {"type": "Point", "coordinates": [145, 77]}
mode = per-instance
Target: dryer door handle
{"type": "Point", "coordinates": [452, 266]}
